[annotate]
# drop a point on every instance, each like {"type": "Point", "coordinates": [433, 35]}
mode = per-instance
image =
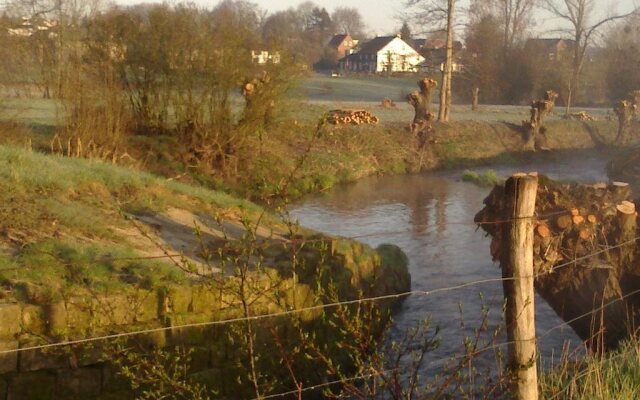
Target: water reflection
{"type": "Point", "coordinates": [431, 218]}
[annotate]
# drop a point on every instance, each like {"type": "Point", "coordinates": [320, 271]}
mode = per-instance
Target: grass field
{"type": "Point", "coordinates": [319, 94]}
{"type": "Point", "coordinates": [323, 93]}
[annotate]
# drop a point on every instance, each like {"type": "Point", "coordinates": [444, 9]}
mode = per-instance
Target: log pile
{"type": "Point", "coordinates": [581, 116]}
{"type": "Point", "coordinates": [352, 117]}
{"type": "Point", "coordinates": [575, 273]}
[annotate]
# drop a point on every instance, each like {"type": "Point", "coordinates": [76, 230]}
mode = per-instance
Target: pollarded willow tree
{"type": "Point", "coordinates": [440, 14]}
{"type": "Point", "coordinates": [582, 25]}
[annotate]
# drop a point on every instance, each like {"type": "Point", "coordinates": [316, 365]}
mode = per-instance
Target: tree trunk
{"type": "Point", "coordinates": [475, 95]}
{"type": "Point", "coordinates": [421, 101]}
{"type": "Point", "coordinates": [445, 91]}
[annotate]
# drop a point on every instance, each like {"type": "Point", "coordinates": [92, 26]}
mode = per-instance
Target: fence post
{"type": "Point", "coordinates": [517, 268]}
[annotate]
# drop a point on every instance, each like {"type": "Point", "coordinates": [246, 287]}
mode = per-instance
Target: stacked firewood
{"type": "Point", "coordinates": [572, 220]}
{"type": "Point", "coordinates": [585, 251]}
{"type": "Point", "coordinates": [352, 117]}
{"type": "Point", "coordinates": [581, 116]}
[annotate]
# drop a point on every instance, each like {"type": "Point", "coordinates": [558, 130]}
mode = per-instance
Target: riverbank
{"type": "Point", "coordinates": [294, 156]}
{"type": "Point", "coordinates": [88, 249]}
{"type": "Point", "coordinates": [307, 160]}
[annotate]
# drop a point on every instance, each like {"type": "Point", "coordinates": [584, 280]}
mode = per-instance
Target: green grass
{"type": "Point", "coordinates": [49, 271]}
{"type": "Point", "coordinates": [484, 179]}
{"type": "Point", "coordinates": [61, 222]}
{"type": "Point", "coordinates": [613, 377]}
{"type": "Point", "coordinates": [28, 173]}
{"type": "Point", "coordinates": [324, 93]}
{"type": "Point", "coordinates": [31, 111]}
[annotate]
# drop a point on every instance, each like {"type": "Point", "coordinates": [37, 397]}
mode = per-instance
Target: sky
{"type": "Point", "coordinates": [381, 16]}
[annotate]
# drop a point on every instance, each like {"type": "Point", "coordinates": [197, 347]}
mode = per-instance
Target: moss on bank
{"type": "Point", "coordinates": [80, 257]}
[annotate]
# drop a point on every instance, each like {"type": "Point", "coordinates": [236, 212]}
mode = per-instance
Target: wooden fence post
{"type": "Point", "coordinates": [517, 269]}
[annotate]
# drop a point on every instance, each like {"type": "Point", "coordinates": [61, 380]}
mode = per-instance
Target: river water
{"type": "Point", "coordinates": [430, 216]}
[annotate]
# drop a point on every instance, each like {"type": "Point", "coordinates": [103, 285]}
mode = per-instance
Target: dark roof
{"type": "Point", "coordinates": [375, 45]}
{"type": "Point", "coordinates": [436, 44]}
{"type": "Point", "coordinates": [419, 43]}
{"type": "Point", "coordinates": [337, 40]}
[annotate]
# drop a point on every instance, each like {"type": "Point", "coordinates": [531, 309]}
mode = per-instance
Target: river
{"type": "Point", "coordinates": [430, 216]}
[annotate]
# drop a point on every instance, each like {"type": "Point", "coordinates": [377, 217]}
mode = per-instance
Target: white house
{"type": "Point", "coordinates": [265, 57]}
{"type": "Point", "coordinates": [383, 54]}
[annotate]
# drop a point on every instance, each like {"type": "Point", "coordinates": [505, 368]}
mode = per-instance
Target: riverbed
{"type": "Point", "coordinates": [430, 217]}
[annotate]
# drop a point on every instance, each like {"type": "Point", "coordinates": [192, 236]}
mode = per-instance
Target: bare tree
{"type": "Point", "coordinates": [348, 20]}
{"type": "Point", "coordinates": [583, 28]}
{"type": "Point", "coordinates": [439, 14]}
{"type": "Point", "coordinates": [513, 17]}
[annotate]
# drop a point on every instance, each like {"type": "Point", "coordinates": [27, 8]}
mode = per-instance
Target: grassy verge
{"type": "Point", "coordinates": [290, 154]}
{"type": "Point", "coordinates": [612, 377]}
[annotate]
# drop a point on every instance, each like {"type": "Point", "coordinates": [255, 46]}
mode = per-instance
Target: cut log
{"type": "Point", "coordinates": [585, 234]}
{"type": "Point", "coordinates": [543, 231]}
{"type": "Point", "coordinates": [627, 227]}
{"type": "Point", "coordinates": [626, 208]}
{"type": "Point", "coordinates": [592, 219]}
{"type": "Point", "coordinates": [564, 221]}
{"type": "Point", "coordinates": [351, 117]}
{"type": "Point", "coordinates": [577, 219]}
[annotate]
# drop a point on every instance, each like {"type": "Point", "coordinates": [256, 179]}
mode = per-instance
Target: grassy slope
{"type": "Point", "coordinates": [64, 217]}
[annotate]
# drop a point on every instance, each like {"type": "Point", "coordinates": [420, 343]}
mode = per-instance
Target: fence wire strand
{"type": "Point", "coordinates": [452, 358]}
{"type": "Point", "coordinates": [309, 309]}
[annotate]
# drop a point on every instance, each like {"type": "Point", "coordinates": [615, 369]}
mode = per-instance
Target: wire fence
{"type": "Point", "coordinates": [467, 355]}
{"type": "Point", "coordinates": [324, 307]}
{"type": "Point", "coordinates": [320, 307]}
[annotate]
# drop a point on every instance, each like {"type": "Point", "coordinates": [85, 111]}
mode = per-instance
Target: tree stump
{"type": "Point", "coordinates": [534, 128]}
{"type": "Point", "coordinates": [624, 110]}
{"type": "Point", "coordinates": [421, 102]}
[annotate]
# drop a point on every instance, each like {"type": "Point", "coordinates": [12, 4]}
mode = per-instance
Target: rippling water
{"type": "Point", "coordinates": [430, 217]}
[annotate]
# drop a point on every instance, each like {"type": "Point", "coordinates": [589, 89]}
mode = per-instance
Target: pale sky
{"type": "Point", "coordinates": [381, 15]}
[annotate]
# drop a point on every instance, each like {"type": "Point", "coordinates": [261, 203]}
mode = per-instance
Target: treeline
{"type": "Point", "coordinates": [175, 71]}
{"type": "Point", "coordinates": [595, 64]}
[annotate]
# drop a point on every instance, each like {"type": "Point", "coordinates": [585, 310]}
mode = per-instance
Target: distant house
{"type": "Point", "coordinates": [434, 52]}
{"type": "Point", "coordinates": [383, 54]}
{"type": "Point", "coordinates": [343, 44]}
{"type": "Point", "coordinates": [550, 49]}
{"type": "Point", "coordinates": [265, 57]}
